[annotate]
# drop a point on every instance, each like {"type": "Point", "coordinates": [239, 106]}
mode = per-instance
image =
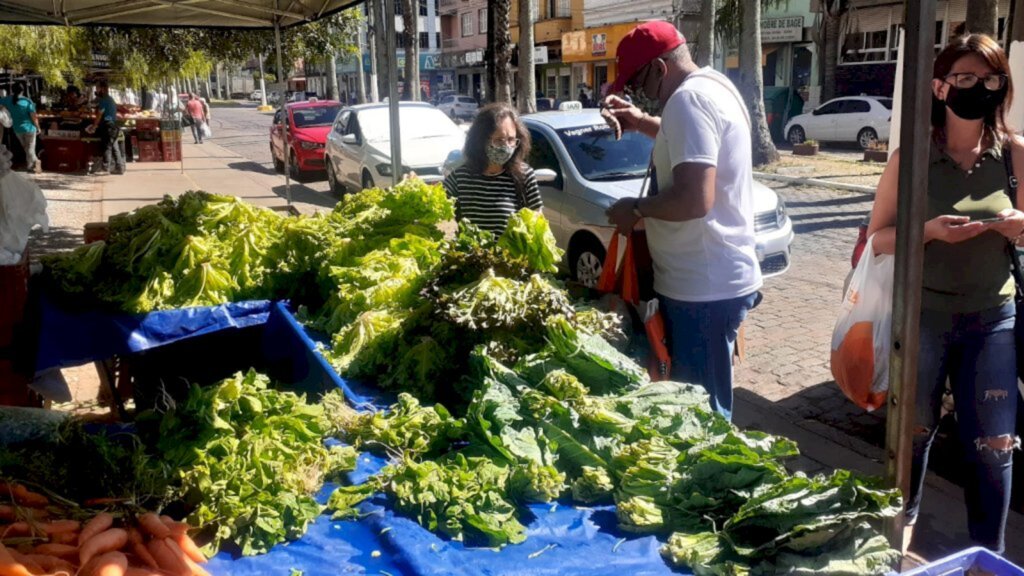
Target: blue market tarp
{"type": "Point", "coordinates": [72, 338]}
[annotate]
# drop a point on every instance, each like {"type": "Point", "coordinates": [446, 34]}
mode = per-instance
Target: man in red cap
{"type": "Point", "coordinates": [699, 210]}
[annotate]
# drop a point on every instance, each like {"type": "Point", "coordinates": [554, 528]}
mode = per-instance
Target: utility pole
{"type": "Point", "coordinates": [527, 88]}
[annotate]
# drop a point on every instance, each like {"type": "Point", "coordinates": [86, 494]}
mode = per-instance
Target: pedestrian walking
{"type": "Point", "coordinates": [24, 123]}
{"type": "Point", "coordinates": [495, 181]}
{"type": "Point", "coordinates": [105, 126]}
{"type": "Point", "coordinates": [699, 210]}
{"type": "Point", "coordinates": [197, 111]}
{"type": "Point", "coordinates": [967, 300]}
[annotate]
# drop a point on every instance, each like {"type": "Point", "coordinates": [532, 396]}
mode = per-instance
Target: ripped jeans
{"type": "Point", "coordinates": [977, 352]}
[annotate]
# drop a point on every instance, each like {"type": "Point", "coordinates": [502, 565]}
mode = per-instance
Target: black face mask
{"type": "Point", "coordinates": [974, 103]}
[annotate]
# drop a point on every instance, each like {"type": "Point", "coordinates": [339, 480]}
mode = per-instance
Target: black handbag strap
{"type": "Point", "coordinates": [1011, 191]}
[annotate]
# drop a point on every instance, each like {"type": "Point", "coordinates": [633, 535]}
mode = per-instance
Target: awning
{"type": "Point", "coordinates": [174, 13]}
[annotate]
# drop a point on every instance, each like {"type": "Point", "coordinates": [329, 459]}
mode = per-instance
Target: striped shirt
{"type": "Point", "coordinates": [489, 201]}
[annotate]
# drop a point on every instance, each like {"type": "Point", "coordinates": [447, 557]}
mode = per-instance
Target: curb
{"type": "Point", "coordinates": [815, 182]}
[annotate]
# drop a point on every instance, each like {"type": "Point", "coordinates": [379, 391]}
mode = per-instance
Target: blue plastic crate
{"type": "Point", "coordinates": [958, 564]}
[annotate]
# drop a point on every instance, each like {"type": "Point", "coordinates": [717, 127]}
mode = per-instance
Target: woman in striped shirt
{"type": "Point", "coordinates": [495, 181]}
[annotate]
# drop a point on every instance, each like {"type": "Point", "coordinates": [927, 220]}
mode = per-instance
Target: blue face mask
{"type": "Point", "coordinates": [499, 155]}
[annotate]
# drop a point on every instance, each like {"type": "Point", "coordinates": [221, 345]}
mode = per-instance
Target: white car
{"type": "Point", "coordinates": [860, 119]}
{"type": "Point", "coordinates": [256, 95]}
{"type": "Point", "coordinates": [358, 153]}
{"type": "Point", "coordinates": [582, 170]}
{"type": "Point", "coordinates": [457, 106]}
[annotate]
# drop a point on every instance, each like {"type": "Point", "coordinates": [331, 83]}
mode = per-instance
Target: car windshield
{"type": "Point", "coordinates": [316, 116]}
{"type": "Point", "coordinates": [417, 123]}
{"type": "Point", "coordinates": [887, 102]}
{"type": "Point", "coordinates": [599, 156]}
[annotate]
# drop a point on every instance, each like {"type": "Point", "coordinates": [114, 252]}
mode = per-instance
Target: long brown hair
{"type": "Point", "coordinates": [995, 57]}
{"type": "Point", "coordinates": [479, 137]}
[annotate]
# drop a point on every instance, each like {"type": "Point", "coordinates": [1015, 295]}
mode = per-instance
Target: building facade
{"type": "Point", "coordinates": [869, 46]}
{"type": "Point", "coordinates": [463, 41]}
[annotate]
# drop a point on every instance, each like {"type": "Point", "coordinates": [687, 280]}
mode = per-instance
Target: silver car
{"type": "Point", "coordinates": [582, 170]}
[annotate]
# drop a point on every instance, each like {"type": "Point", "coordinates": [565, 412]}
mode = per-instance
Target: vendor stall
{"type": "Point", "coordinates": [145, 137]}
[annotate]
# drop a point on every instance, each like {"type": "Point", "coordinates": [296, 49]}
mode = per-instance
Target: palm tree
{"type": "Point", "coordinates": [410, 21]}
{"type": "Point", "coordinates": [752, 84]}
{"type": "Point", "coordinates": [982, 17]}
{"type": "Point", "coordinates": [827, 38]}
{"type": "Point", "coordinates": [526, 95]}
{"type": "Point", "coordinates": [499, 51]}
{"type": "Point", "coordinates": [706, 38]}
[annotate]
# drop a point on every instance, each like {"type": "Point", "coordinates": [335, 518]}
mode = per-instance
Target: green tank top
{"type": "Point", "coordinates": [973, 275]}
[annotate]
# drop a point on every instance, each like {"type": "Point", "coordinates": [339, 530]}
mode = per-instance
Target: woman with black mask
{"type": "Point", "coordinates": [967, 303]}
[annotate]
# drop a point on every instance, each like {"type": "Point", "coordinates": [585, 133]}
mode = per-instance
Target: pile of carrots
{"type": "Point", "coordinates": [146, 545]}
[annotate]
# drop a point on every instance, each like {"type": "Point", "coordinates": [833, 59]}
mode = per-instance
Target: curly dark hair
{"type": "Point", "coordinates": [479, 136]}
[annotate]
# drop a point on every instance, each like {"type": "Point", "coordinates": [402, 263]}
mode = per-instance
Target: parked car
{"type": "Point", "coordinates": [300, 131]}
{"type": "Point", "coordinates": [442, 94]}
{"type": "Point", "coordinates": [359, 145]}
{"type": "Point", "coordinates": [256, 95]}
{"type": "Point", "coordinates": [860, 119]}
{"type": "Point", "coordinates": [582, 170]}
{"type": "Point", "coordinates": [456, 106]}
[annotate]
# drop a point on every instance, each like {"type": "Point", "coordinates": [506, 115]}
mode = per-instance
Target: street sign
{"type": "Point", "coordinates": [785, 29]}
{"type": "Point", "coordinates": [540, 54]}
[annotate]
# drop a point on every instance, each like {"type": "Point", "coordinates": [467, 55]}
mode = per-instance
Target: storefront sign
{"type": "Point", "coordinates": [427, 61]}
{"type": "Point", "coordinates": [540, 54]}
{"type": "Point", "coordinates": [599, 44]}
{"type": "Point", "coordinates": [787, 29]}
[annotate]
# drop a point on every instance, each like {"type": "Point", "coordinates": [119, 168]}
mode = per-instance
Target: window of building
{"type": "Point", "coordinates": [467, 24]}
{"type": "Point", "coordinates": [425, 40]}
{"type": "Point", "coordinates": [482, 17]}
{"type": "Point", "coordinates": [866, 47]}
{"type": "Point", "coordinates": [423, 7]}
{"type": "Point", "coordinates": [563, 8]}
{"type": "Point", "coordinates": [398, 7]}
{"type": "Point", "coordinates": [437, 39]}
{"type": "Point", "coordinates": [399, 40]}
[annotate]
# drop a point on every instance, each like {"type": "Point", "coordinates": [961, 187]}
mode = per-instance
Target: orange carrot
{"type": "Point", "coordinates": [152, 524]}
{"type": "Point", "coordinates": [138, 547]}
{"type": "Point", "coordinates": [16, 529]}
{"type": "Point", "coordinates": [194, 569]}
{"type": "Point", "coordinates": [167, 559]}
{"type": "Point", "coordinates": [60, 526]}
{"type": "Point", "coordinates": [9, 566]}
{"type": "Point", "coordinates": [175, 526]}
{"type": "Point", "coordinates": [189, 547]}
{"type": "Point", "coordinates": [51, 563]}
{"type": "Point", "coordinates": [7, 513]}
{"type": "Point", "coordinates": [108, 541]}
{"type": "Point", "coordinates": [27, 562]}
{"type": "Point", "coordinates": [59, 550]}
{"type": "Point", "coordinates": [99, 523]}
{"type": "Point", "coordinates": [96, 502]}
{"type": "Point", "coordinates": [26, 497]}
{"type": "Point", "coordinates": [64, 538]}
{"type": "Point", "coordinates": [107, 564]}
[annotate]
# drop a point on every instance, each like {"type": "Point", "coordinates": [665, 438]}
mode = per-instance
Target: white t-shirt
{"type": "Point", "coordinates": [712, 258]}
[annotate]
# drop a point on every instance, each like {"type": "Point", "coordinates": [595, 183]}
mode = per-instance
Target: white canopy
{"type": "Point", "coordinates": [175, 13]}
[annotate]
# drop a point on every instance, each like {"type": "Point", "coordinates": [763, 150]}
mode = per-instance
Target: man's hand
{"type": "Point", "coordinates": [621, 215]}
{"type": "Point", "coordinates": [620, 115]}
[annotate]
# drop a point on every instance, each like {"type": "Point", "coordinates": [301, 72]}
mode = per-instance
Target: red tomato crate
{"type": "Point", "coordinates": [149, 151]}
{"type": "Point", "coordinates": [171, 150]}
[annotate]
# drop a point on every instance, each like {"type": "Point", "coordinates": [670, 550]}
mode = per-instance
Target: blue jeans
{"type": "Point", "coordinates": [977, 353]}
{"type": "Point", "coordinates": [701, 338]}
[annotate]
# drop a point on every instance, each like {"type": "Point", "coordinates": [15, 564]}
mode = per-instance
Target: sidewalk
{"type": "Point", "coordinates": [206, 167]}
{"type": "Point", "coordinates": [844, 167]}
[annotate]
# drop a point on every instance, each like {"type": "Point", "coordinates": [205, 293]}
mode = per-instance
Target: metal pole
{"type": "Point", "coordinates": [284, 104]}
{"type": "Point", "coordinates": [396, 132]}
{"type": "Point", "coordinates": [906, 311]}
{"type": "Point", "coordinates": [263, 83]}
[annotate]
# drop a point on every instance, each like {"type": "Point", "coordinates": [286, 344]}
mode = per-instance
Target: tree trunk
{"type": "Point", "coordinates": [982, 17]}
{"type": "Point", "coordinates": [332, 78]}
{"type": "Point", "coordinates": [832, 16]}
{"type": "Point", "coordinates": [410, 21]}
{"type": "Point", "coordinates": [384, 63]}
{"type": "Point", "coordinates": [490, 80]}
{"type": "Point", "coordinates": [752, 84]}
{"type": "Point", "coordinates": [218, 80]}
{"type": "Point", "coordinates": [706, 40]}
{"type": "Point", "coordinates": [502, 61]}
{"type": "Point", "coordinates": [360, 73]}
{"type": "Point", "coordinates": [527, 92]}
{"type": "Point", "coordinates": [371, 44]}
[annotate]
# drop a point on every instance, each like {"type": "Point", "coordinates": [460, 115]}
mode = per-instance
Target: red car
{"type": "Point", "coordinates": [304, 126]}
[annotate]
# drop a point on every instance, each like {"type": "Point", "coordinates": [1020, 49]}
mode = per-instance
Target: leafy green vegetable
{"type": "Point", "coordinates": [406, 427]}
{"type": "Point", "coordinates": [592, 485]}
{"type": "Point", "coordinates": [600, 367]}
{"type": "Point", "coordinates": [528, 236]}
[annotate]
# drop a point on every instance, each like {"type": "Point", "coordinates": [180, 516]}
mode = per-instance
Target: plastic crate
{"type": "Point", "coordinates": [150, 152]}
{"type": "Point", "coordinates": [171, 151]}
{"type": "Point", "coordinates": [958, 564]}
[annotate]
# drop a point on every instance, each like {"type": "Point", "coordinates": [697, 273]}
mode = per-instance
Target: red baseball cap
{"type": "Point", "coordinates": [642, 45]}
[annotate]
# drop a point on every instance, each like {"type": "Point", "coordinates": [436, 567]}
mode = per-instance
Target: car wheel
{"type": "Point", "coordinates": [278, 164]}
{"type": "Point", "coordinates": [332, 179]}
{"type": "Point", "coordinates": [367, 180]}
{"type": "Point", "coordinates": [866, 136]}
{"type": "Point", "coordinates": [586, 260]}
{"type": "Point", "coordinates": [293, 167]}
{"type": "Point", "coordinates": [796, 135]}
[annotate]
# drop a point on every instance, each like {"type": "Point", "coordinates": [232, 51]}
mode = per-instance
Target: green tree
{"type": "Point", "coordinates": [58, 54]}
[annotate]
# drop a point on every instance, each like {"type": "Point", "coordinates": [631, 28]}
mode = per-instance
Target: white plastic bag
{"type": "Point", "coordinates": [22, 207]}
{"type": "Point", "coordinates": [207, 133]}
{"type": "Point", "coordinates": [862, 339]}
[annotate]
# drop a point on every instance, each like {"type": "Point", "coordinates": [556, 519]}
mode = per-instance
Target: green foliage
{"type": "Point", "coordinates": [58, 53]}
{"type": "Point", "coordinates": [528, 236]}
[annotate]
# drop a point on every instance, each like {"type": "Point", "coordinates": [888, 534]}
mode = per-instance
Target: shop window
{"type": "Point", "coordinates": [866, 47]}
{"type": "Point", "coordinates": [482, 18]}
{"type": "Point", "coordinates": [467, 24]}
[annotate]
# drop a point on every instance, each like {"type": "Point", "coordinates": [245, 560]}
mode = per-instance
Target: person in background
{"type": "Point", "coordinates": [105, 125]}
{"type": "Point", "coordinates": [197, 112]}
{"type": "Point", "coordinates": [495, 181]}
{"type": "Point", "coordinates": [72, 100]}
{"type": "Point", "coordinates": [584, 101]}
{"type": "Point", "coordinates": [699, 211]}
{"type": "Point", "coordinates": [24, 124]}
{"type": "Point", "coordinates": [967, 300]}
